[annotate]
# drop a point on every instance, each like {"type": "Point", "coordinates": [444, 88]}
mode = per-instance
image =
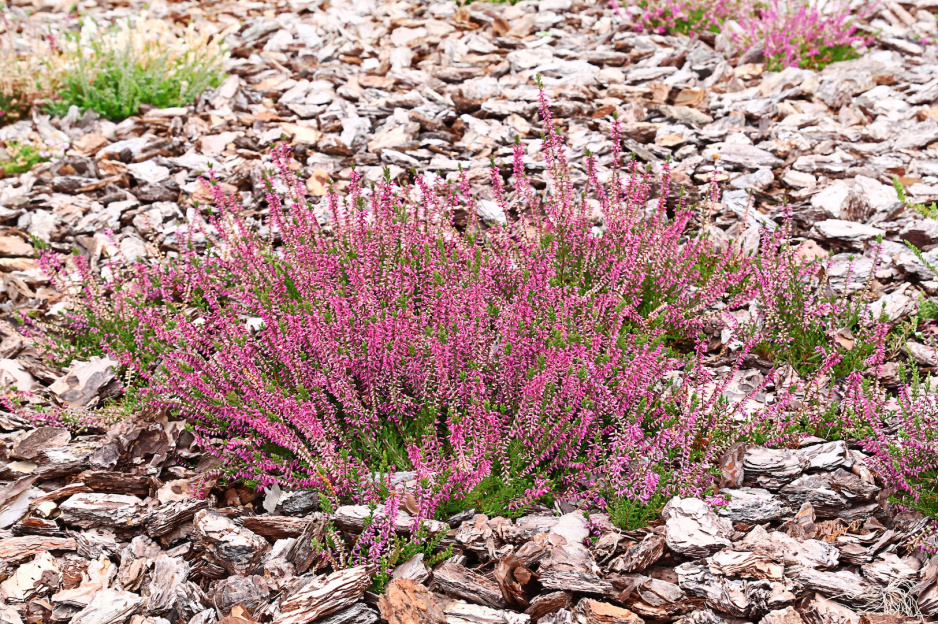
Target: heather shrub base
{"type": "Point", "coordinates": [557, 353]}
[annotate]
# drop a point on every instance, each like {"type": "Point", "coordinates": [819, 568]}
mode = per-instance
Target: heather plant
{"type": "Point", "coordinates": [804, 33]}
{"type": "Point", "coordinates": [503, 364]}
{"type": "Point", "coordinates": [899, 434]}
{"type": "Point", "coordinates": [801, 33]}
{"type": "Point", "coordinates": [927, 309]}
{"type": "Point", "coordinates": [378, 545]}
{"type": "Point", "coordinates": [526, 358]}
{"type": "Point", "coordinates": [630, 514]}
{"type": "Point", "coordinates": [685, 17]}
{"type": "Point", "coordinates": [101, 323]}
{"type": "Point", "coordinates": [801, 318]}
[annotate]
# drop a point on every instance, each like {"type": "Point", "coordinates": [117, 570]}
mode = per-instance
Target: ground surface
{"type": "Point", "coordinates": [435, 86]}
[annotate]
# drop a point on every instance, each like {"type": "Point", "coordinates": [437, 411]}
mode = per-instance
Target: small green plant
{"type": "Point", "coordinates": [19, 157]}
{"type": "Point", "coordinates": [122, 68]}
{"type": "Point", "coordinates": [629, 514]}
{"type": "Point", "coordinates": [378, 545]}
{"type": "Point", "coordinates": [495, 496]}
{"type": "Point", "coordinates": [420, 543]}
{"type": "Point", "coordinates": [926, 211]}
{"type": "Point", "coordinates": [927, 309]}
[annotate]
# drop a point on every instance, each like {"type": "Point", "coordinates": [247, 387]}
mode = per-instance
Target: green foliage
{"type": "Point", "coordinates": [494, 496]}
{"type": "Point", "coordinates": [816, 58]}
{"type": "Point", "coordinates": [921, 257]}
{"type": "Point", "coordinates": [927, 309]}
{"type": "Point", "coordinates": [926, 211]}
{"type": "Point", "coordinates": [116, 81]}
{"type": "Point", "coordinates": [18, 157]}
{"type": "Point", "coordinates": [420, 543]}
{"type": "Point", "coordinates": [630, 514]}
{"type": "Point", "coordinates": [806, 317]}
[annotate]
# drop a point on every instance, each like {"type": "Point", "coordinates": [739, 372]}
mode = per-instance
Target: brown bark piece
{"type": "Point", "coordinates": [548, 603]}
{"type": "Point", "coordinates": [276, 527]}
{"type": "Point", "coordinates": [116, 482]}
{"type": "Point", "coordinates": [15, 549]}
{"type": "Point", "coordinates": [596, 612]}
{"type": "Point", "coordinates": [406, 602]}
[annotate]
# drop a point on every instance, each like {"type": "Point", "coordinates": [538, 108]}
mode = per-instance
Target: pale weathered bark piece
{"type": "Point", "coordinates": [563, 616]}
{"type": "Point", "coordinates": [458, 612]}
{"type": "Point", "coordinates": [167, 575]}
{"type": "Point", "coordinates": [109, 606]}
{"type": "Point", "coordinates": [693, 529]}
{"type": "Point", "coordinates": [324, 596]}
{"type": "Point", "coordinates": [752, 505]}
{"type": "Point", "coordinates": [576, 581]}
{"type": "Point", "coordinates": [413, 569]}
{"type": "Point", "coordinates": [97, 576]}
{"type": "Point", "coordinates": [358, 613]}
{"type": "Point", "coordinates": [167, 518]}
{"type": "Point", "coordinates": [841, 585]}
{"type": "Point", "coordinates": [771, 468]}
{"type": "Point", "coordinates": [790, 551]}
{"type": "Point", "coordinates": [15, 549]}
{"type": "Point", "coordinates": [31, 577]}
{"type": "Point", "coordinates": [816, 489]}
{"type": "Point", "coordinates": [91, 510]}
{"type": "Point", "coordinates": [527, 528]}
{"type": "Point", "coordinates": [816, 609]}
{"type": "Point", "coordinates": [234, 548]}
{"type": "Point", "coordinates": [927, 588]}
{"type": "Point", "coordinates": [190, 601]}
{"type": "Point", "coordinates": [788, 615]}
{"type": "Point", "coordinates": [702, 616]}
{"type": "Point", "coordinates": [641, 555]}
{"type": "Point", "coordinates": [656, 599]}
{"type": "Point", "coordinates": [746, 565]}
{"type": "Point", "coordinates": [460, 582]}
